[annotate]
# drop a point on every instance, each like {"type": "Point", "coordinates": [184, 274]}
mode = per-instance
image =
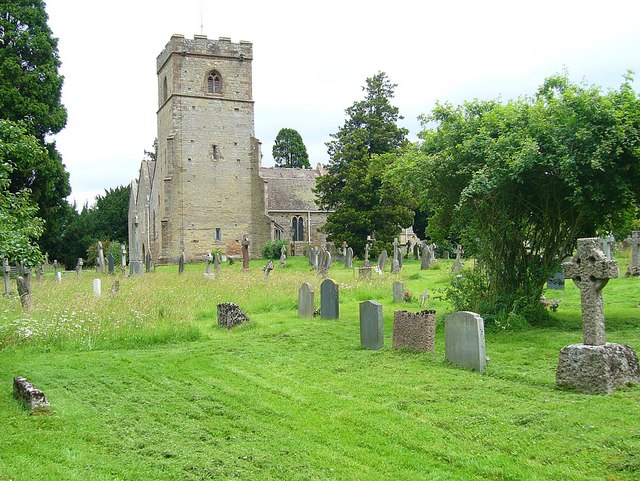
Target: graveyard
{"type": "Point", "coordinates": [142, 383]}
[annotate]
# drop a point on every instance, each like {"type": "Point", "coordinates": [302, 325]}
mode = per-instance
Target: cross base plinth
{"type": "Point", "coordinates": [597, 369]}
{"type": "Point", "coordinates": [633, 271]}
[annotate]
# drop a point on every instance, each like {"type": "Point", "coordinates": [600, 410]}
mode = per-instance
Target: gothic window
{"type": "Point", "coordinates": [214, 83]}
{"type": "Point", "coordinates": [218, 234]}
{"type": "Point", "coordinates": [165, 90]}
{"type": "Point", "coordinates": [297, 229]}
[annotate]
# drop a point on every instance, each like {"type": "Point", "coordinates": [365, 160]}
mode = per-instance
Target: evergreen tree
{"type": "Point", "coordinates": [361, 151]}
{"type": "Point", "coordinates": [289, 150]}
{"type": "Point", "coordinates": [30, 89]}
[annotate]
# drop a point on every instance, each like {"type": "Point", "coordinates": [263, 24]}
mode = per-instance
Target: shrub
{"type": "Point", "coordinates": [272, 249]}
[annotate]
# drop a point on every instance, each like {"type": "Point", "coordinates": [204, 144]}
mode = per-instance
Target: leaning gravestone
{"type": "Point", "coordinates": [382, 260]}
{"type": "Point", "coordinates": [329, 300]}
{"type": "Point", "coordinates": [371, 325]}
{"type": "Point", "coordinates": [414, 330]}
{"type": "Point", "coordinates": [398, 291]}
{"type": "Point", "coordinates": [634, 264]}
{"type": "Point", "coordinates": [230, 315]}
{"type": "Point", "coordinates": [28, 394]}
{"type": "Point", "coordinates": [348, 259]}
{"type": "Point", "coordinates": [464, 340]}
{"type": "Point", "coordinates": [268, 268]}
{"type": "Point", "coordinates": [306, 302]}
{"type": "Point", "coordinates": [24, 290]}
{"type": "Point", "coordinates": [596, 366]}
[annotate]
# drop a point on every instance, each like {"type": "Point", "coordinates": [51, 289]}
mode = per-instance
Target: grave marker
{"type": "Point", "coordinates": [348, 260]}
{"type": "Point", "coordinates": [268, 268]}
{"type": "Point", "coordinates": [79, 267]}
{"type": "Point", "coordinates": [230, 315]}
{"type": "Point", "coordinates": [111, 264]}
{"type": "Point", "coordinates": [371, 325]}
{"type": "Point", "coordinates": [245, 252]}
{"type": "Point", "coordinates": [382, 260]}
{"type": "Point", "coordinates": [398, 291]}
{"type": "Point", "coordinates": [634, 264]}
{"type": "Point", "coordinates": [28, 394]}
{"type": "Point", "coordinates": [306, 302]}
{"type": "Point", "coordinates": [464, 340]}
{"type": "Point", "coordinates": [97, 287]}
{"type": "Point", "coordinates": [414, 330]}
{"type": "Point", "coordinates": [329, 300]}
{"type": "Point", "coordinates": [181, 261]}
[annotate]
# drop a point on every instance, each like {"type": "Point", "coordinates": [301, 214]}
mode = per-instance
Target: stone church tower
{"type": "Point", "coordinates": [206, 191]}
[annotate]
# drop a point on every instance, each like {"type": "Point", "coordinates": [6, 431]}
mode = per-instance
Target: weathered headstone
{"type": "Point", "coordinates": [6, 269]}
{"type": "Point", "coordinates": [382, 260]}
{"type": "Point", "coordinates": [464, 340]}
{"type": "Point", "coordinates": [414, 330]}
{"type": "Point", "coordinates": [123, 264]}
{"type": "Point", "coordinates": [423, 298]}
{"type": "Point", "coordinates": [245, 252]}
{"type": "Point", "coordinates": [39, 273]}
{"type": "Point", "coordinates": [28, 394]}
{"type": "Point", "coordinates": [268, 268]}
{"type": "Point", "coordinates": [97, 287]}
{"type": "Point", "coordinates": [306, 302]}
{"type": "Point", "coordinates": [427, 256]}
{"type": "Point", "coordinates": [79, 267]}
{"type": "Point", "coordinates": [58, 277]}
{"type": "Point", "coordinates": [445, 255]}
{"type": "Point", "coordinates": [556, 282]}
{"type": "Point", "coordinates": [348, 259]}
{"type": "Point", "coordinates": [595, 366]}
{"type": "Point", "coordinates": [458, 264]}
{"type": "Point", "coordinates": [398, 291]}
{"type": "Point", "coordinates": [634, 263]}
{"type": "Point", "coordinates": [217, 260]}
{"type": "Point", "coordinates": [101, 262]}
{"type": "Point", "coordinates": [608, 243]}
{"type": "Point", "coordinates": [55, 267]}
{"type": "Point", "coordinates": [329, 300]}
{"type": "Point", "coordinates": [397, 255]}
{"type": "Point", "coordinates": [364, 272]}
{"type": "Point", "coordinates": [416, 251]}
{"type": "Point", "coordinates": [111, 267]}
{"type": "Point", "coordinates": [312, 255]}
{"type": "Point", "coordinates": [208, 259]}
{"type": "Point", "coordinates": [283, 255]}
{"type": "Point", "coordinates": [367, 246]}
{"type": "Point", "coordinates": [148, 262]}
{"type": "Point", "coordinates": [395, 266]}
{"type": "Point", "coordinates": [371, 325]}
{"type": "Point", "coordinates": [230, 315]}
{"type": "Point", "coordinates": [24, 290]}
{"type": "Point", "coordinates": [323, 270]}
{"type": "Point", "coordinates": [115, 288]}
{"type": "Point", "coordinates": [181, 261]}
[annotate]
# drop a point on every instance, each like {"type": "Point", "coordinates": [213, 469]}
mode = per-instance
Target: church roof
{"type": "Point", "coordinates": [290, 189]}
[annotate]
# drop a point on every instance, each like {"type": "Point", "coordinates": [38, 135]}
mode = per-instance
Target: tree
{"type": "Point", "coordinates": [289, 150]}
{"type": "Point", "coordinates": [366, 145]}
{"type": "Point", "coordinates": [521, 181]}
{"type": "Point", "coordinates": [19, 225]}
{"type": "Point", "coordinates": [30, 89]}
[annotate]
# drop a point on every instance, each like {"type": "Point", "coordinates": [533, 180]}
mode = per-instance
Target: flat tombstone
{"type": "Point", "coordinates": [414, 330]}
{"type": "Point", "coordinates": [382, 260]}
{"type": "Point", "coordinates": [329, 300]}
{"type": "Point", "coordinates": [371, 325]}
{"type": "Point", "coordinates": [464, 340]}
{"type": "Point", "coordinates": [97, 287]}
{"type": "Point", "coordinates": [306, 301]}
{"type": "Point", "coordinates": [348, 260]}
{"type": "Point", "coordinates": [398, 291]}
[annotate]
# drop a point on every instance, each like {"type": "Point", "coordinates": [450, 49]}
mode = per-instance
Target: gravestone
{"type": "Point", "coordinates": [6, 269]}
{"type": "Point", "coordinates": [395, 266]}
{"type": "Point", "coordinates": [311, 255]}
{"type": "Point", "coordinates": [464, 340]}
{"type": "Point", "coordinates": [371, 325]}
{"type": "Point", "coordinates": [364, 272]}
{"type": "Point", "coordinates": [115, 288]}
{"type": "Point", "coordinates": [398, 291]}
{"type": "Point", "coordinates": [397, 255]}
{"type": "Point", "coordinates": [458, 264]}
{"type": "Point", "coordinates": [24, 290]}
{"type": "Point", "coordinates": [329, 300]}
{"type": "Point", "coordinates": [306, 301]}
{"type": "Point", "coordinates": [423, 298]}
{"type": "Point", "coordinates": [634, 263]}
{"type": "Point", "coordinates": [427, 256]}
{"type": "Point", "coordinates": [208, 259]}
{"type": "Point", "coordinates": [181, 261]}
{"type": "Point", "coordinates": [97, 287]}
{"type": "Point", "coordinates": [79, 267]}
{"type": "Point", "coordinates": [595, 366]}
{"type": "Point", "coordinates": [58, 277]}
{"type": "Point", "coordinates": [414, 330]}
{"type": "Point", "coordinates": [123, 263]}
{"type": "Point", "coordinates": [268, 268]}
{"type": "Point", "coordinates": [148, 262]}
{"type": "Point", "coordinates": [348, 259]}
{"type": "Point", "coordinates": [39, 273]}
{"type": "Point", "coordinates": [445, 255]}
{"type": "Point", "coordinates": [230, 315]}
{"type": "Point", "coordinates": [111, 264]}
{"type": "Point", "coordinates": [55, 267]}
{"type": "Point", "coordinates": [416, 251]}
{"type": "Point", "coordinates": [28, 394]}
{"type": "Point", "coordinates": [217, 260]}
{"type": "Point", "coordinates": [367, 246]}
{"type": "Point", "coordinates": [556, 282]}
{"type": "Point", "coordinates": [608, 243]}
{"type": "Point", "coordinates": [101, 262]}
{"type": "Point", "coordinates": [283, 255]}
{"type": "Point", "coordinates": [344, 249]}
{"type": "Point", "coordinates": [326, 264]}
{"type": "Point", "coordinates": [382, 260]}
{"type": "Point", "coordinates": [245, 252]}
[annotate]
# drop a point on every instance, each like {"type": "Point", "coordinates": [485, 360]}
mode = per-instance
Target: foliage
{"type": "Point", "coordinates": [19, 225]}
{"type": "Point", "coordinates": [153, 154]}
{"type": "Point", "coordinates": [289, 150]}
{"type": "Point", "coordinates": [361, 151]}
{"type": "Point", "coordinates": [519, 182]}
{"type": "Point", "coordinates": [272, 249]}
{"type": "Point", "coordinates": [30, 89]}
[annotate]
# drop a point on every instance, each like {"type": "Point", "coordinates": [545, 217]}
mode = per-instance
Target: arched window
{"type": "Point", "coordinates": [165, 90]}
{"type": "Point", "coordinates": [297, 229]}
{"type": "Point", "coordinates": [214, 83]}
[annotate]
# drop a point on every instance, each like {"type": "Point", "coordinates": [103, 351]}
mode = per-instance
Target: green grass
{"type": "Point", "coordinates": [143, 385]}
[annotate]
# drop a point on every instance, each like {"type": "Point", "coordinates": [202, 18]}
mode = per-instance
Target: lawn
{"type": "Point", "coordinates": [143, 385]}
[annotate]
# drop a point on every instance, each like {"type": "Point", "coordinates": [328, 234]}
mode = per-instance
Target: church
{"type": "Point", "coordinates": [206, 188]}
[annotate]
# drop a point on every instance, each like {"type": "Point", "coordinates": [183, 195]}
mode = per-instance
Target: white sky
{"type": "Point", "coordinates": [311, 60]}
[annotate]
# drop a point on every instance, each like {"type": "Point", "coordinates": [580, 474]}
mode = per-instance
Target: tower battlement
{"type": "Point", "coordinates": [222, 47]}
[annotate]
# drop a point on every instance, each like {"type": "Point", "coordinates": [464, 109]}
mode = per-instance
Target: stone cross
{"type": "Point", "coordinates": [458, 264]}
{"type": "Point", "coordinates": [123, 265]}
{"type": "Point", "coordinates": [245, 252]}
{"type": "Point", "coordinates": [208, 258]}
{"type": "Point", "coordinates": [55, 267]}
{"type": "Point", "coordinates": [634, 264]}
{"type": "Point", "coordinates": [101, 263]}
{"type": "Point", "coordinates": [283, 255]}
{"type": "Point", "coordinates": [79, 266]}
{"type": "Point", "coordinates": [7, 276]}
{"type": "Point", "coordinates": [423, 298]}
{"type": "Point", "coordinates": [268, 268]}
{"type": "Point", "coordinates": [590, 271]}
{"type": "Point", "coordinates": [217, 260]}
{"type": "Point", "coordinates": [367, 246]}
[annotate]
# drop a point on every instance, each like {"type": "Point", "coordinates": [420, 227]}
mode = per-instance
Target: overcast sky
{"type": "Point", "coordinates": [311, 60]}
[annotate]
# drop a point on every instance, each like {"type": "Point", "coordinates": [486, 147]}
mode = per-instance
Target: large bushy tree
{"type": "Point", "coordinates": [289, 150]}
{"type": "Point", "coordinates": [521, 181]}
{"type": "Point", "coordinates": [361, 151]}
{"type": "Point", "coordinates": [30, 89]}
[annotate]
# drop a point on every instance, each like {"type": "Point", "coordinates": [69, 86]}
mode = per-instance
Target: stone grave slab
{"type": "Point", "coordinates": [371, 325]}
{"type": "Point", "coordinates": [329, 300]}
{"type": "Point", "coordinates": [398, 291]}
{"type": "Point", "coordinates": [464, 340]}
{"type": "Point", "coordinates": [306, 301]}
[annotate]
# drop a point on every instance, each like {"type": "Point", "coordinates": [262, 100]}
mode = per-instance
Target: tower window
{"type": "Point", "coordinates": [297, 229]}
{"type": "Point", "coordinates": [214, 83]}
{"type": "Point", "coordinates": [165, 90]}
{"type": "Point", "coordinates": [218, 234]}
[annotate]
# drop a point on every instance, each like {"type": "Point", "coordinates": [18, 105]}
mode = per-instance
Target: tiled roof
{"type": "Point", "coordinates": [290, 189]}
